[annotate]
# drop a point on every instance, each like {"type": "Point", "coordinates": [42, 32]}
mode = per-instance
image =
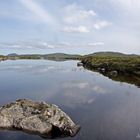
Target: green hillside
{"type": "Point", "coordinates": [61, 56]}
{"type": "Point", "coordinates": [113, 54]}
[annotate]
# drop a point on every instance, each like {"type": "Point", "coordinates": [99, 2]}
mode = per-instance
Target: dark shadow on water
{"type": "Point", "coordinates": [127, 79]}
{"type": "Point", "coordinates": [130, 79]}
{"type": "Point", "coordinates": [55, 134]}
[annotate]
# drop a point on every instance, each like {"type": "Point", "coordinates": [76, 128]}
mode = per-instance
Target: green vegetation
{"type": "Point", "coordinates": [34, 56]}
{"type": "Point", "coordinates": [118, 68]}
{"type": "Point", "coordinates": [2, 57]}
{"type": "Point", "coordinates": [54, 56]}
{"type": "Point", "coordinates": [111, 54]}
{"type": "Point", "coordinates": [123, 65]}
{"type": "Point", "coordinates": [61, 56]}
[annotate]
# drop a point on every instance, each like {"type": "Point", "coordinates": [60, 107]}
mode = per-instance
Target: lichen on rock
{"type": "Point", "coordinates": [46, 120]}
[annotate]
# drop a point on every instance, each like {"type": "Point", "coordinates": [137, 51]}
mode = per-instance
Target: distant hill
{"type": "Point", "coordinates": [115, 54]}
{"type": "Point", "coordinates": [12, 54]}
{"type": "Point", "coordinates": [61, 56]}
{"type": "Point", "coordinates": [54, 56]}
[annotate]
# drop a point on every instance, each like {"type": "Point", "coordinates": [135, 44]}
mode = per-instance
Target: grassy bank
{"type": "Point", "coordinates": [124, 69]}
{"type": "Point", "coordinates": [122, 65]}
{"type": "Point", "coordinates": [2, 58]}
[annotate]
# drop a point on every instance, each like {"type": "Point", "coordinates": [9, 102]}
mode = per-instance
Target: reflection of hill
{"type": "Point", "coordinates": [128, 79]}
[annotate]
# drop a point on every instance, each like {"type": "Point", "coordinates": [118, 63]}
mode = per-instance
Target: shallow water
{"type": "Point", "coordinates": [105, 109]}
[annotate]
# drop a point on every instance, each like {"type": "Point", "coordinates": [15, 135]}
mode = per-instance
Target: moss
{"type": "Point", "coordinates": [61, 118]}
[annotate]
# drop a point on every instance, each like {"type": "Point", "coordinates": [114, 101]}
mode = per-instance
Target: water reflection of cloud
{"type": "Point", "coordinates": [38, 69]}
{"type": "Point", "coordinates": [85, 85]}
{"type": "Point", "coordinates": [81, 92]}
{"type": "Point", "coordinates": [73, 100]}
{"type": "Point", "coordinates": [76, 84]}
{"type": "Point", "coordinates": [90, 101]}
{"type": "Point", "coordinates": [16, 135]}
{"type": "Point", "coordinates": [99, 89]}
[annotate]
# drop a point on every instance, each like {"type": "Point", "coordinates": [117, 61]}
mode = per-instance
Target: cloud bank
{"type": "Point", "coordinates": [111, 25]}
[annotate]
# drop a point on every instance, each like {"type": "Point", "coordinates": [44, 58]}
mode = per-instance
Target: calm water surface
{"type": "Point", "coordinates": [106, 110]}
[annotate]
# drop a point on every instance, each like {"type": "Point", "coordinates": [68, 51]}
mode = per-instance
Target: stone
{"type": "Point", "coordinates": [79, 64]}
{"type": "Point", "coordinates": [113, 73]}
{"type": "Point", "coordinates": [46, 120]}
{"type": "Point", "coordinates": [103, 70]}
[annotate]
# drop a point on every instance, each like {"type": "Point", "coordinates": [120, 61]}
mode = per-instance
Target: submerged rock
{"type": "Point", "coordinates": [102, 70]}
{"type": "Point", "coordinates": [113, 73]}
{"type": "Point", "coordinates": [40, 118]}
{"type": "Point", "coordinates": [79, 64]}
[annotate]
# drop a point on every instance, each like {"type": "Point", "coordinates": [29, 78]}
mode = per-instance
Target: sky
{"type": "Point", "coordinates": [69, 26]}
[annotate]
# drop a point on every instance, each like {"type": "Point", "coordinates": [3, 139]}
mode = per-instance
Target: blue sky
{"type": "Point", "coordinates": [69, 26]}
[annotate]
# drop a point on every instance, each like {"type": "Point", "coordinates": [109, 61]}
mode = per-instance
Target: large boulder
{"type": "Point", "coordinates": [40, 118]}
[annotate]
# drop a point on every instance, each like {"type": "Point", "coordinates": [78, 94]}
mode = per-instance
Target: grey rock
{"type": "Point", "coordinates": [46, 120]}
{"type": "Point", "coordinates": [103, 70]}
{"type": "Point", "coordinates": [113, 73]}
{"type": "Point", "coordinates": [79, 64]}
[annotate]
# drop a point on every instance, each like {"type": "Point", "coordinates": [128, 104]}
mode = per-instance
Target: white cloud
{"type": "Point", "coordinates": [63, 43]}
{"type": "Point", "coordinates": [79, 29]}
{"type": "Point", "coordinates": [31, 44]}
{"type": "Point", "coordinates": [51, 46]}
{"type": "Point", "coordinates": [43, 43]}
{"type": "Point", "coordinates": [129, 4]}
{"type": "Point", "coordinates": [16, 12]}
{"type": "Point", "coordinates": [74, 13]}
{"type": "Point", "coordinates": [96, 44]}
{"type": "Point", "coordinates": [101, 24]}
{"type": "Point", "coordinates": [37, 10]}
{"type": "Point", "coordinates": [16, 46]}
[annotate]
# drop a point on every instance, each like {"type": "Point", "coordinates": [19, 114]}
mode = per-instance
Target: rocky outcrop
{"type": "Point", "coordinates": [40, 118]}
